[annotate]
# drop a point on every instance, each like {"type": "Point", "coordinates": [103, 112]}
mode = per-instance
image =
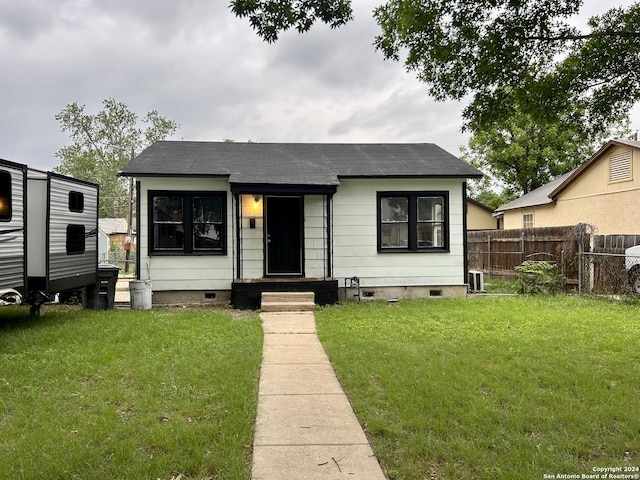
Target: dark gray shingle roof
{"type": "Point", "coordinates": [539, 196]}
{"type": "Point", "coordinates": [296, 163]}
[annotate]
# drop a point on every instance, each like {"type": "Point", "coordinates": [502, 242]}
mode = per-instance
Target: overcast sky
{"type": "Point", "coordinates": [195, 63]}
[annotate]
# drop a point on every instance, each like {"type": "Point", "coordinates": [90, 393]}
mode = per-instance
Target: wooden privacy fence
{"type": "Point", "coordinates": [614, 243]}
{"type": "Point", "coordinates": [497, 252]}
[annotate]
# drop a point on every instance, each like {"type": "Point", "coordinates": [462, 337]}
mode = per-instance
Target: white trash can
{"type": "Point", "coordinates": [140, 292]}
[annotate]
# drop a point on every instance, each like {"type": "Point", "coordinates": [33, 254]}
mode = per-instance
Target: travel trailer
{"type": "Point", "coordinates": [49, 223]}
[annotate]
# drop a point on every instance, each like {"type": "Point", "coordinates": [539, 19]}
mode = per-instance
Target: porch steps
{"type": "Point", "coordinates": [287, 301]}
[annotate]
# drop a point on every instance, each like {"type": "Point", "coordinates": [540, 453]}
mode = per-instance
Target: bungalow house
{"type": "Point", "coordinates": [603, 192]}
{"type": "Point", "coordinates": [220, 221]}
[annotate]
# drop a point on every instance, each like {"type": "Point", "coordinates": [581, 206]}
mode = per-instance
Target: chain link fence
{"type": "Point", "coordinates": [608, 274]}
{"type": "Point", "coordinates": [119, 259]}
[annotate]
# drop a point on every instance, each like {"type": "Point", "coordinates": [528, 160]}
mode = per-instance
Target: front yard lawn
{"type": "Point", "coordinates": [127, 394]}
{"type": "Point", "coordinates": [491, 388]}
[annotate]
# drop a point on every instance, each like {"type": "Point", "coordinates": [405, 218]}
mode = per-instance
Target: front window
{"type": "Point", "coordinates": [207, 223]}
{"type": "Point", "coordinates": [413, 221]}
{"type": "Point", "coordinates": [430, 221]}
{"type": "Point", "coordinates": [187, 222]}
{"type": "Point", "coordinates": [395, 222]}
{"type": "Point", "coordinates": [168, 225]}
{"type": "Point", "coordinates": [527, 220]}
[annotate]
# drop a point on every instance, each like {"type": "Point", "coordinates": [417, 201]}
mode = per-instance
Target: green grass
{"type": "Point", "coordinates": [127, 394]}
{"type": "Point", "coordinates": [495, 285]}
{"type": "Point", "coordinates": [491, 388]}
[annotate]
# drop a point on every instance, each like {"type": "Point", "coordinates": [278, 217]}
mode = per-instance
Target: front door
{"type": "Point", "coordinates": [283, 235]}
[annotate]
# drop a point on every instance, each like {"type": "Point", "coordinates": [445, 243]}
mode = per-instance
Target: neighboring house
{"type": "Point", "coordinates": [117, 229]}
{"type": "Point", "coordinates": [224, 221]}
{"type": "Point", "coordinates": [480, 217]}
{"type": "Point", "coordinates": [603, 192]}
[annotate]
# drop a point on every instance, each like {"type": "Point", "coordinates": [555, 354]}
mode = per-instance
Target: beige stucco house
{"type": "Point", "coordinates": [480, 217]}
{"type": "Point", "coordinates": [603, 192]}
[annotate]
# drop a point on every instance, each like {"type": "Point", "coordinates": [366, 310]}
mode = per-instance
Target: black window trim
{"type": "Point", "coordinates": [76, 201]}
{"type": "Point", "coordinates": [187, 205]}
{"type": "Point", "coordinates": [76, 239]}
{"type": "Point", "coordinates": [413, 195]}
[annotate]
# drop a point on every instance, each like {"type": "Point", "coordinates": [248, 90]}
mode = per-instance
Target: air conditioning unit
{"type": "Point", "coordinates": [476, 281]}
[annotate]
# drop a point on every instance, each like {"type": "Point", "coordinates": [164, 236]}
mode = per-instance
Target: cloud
{"type": "Point", "coordinates": [196, 63]}
{"type": "Point", "coordinates": [201, 66]}
{"type": "Point", "coordinates": [28, 18]}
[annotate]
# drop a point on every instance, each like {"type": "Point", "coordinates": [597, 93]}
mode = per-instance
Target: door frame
{"type": "Point", "coordinates": [300, 219]}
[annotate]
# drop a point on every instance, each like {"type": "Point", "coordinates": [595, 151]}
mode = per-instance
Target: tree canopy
{"type": "Point", "coordinates": [103, 143]}
{"type": "Point", "coordinates": [519, 154]}
{"type": "Point", "coordinates": [502, 52]}
{"type": "Point", "coordinates": [269, 18]}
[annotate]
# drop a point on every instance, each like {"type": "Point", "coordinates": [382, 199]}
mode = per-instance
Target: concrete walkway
{"type": "Point", "coordinates": [305, 427]}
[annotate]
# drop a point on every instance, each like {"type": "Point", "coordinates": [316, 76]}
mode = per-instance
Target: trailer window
{"type": "Point", "coordinates": [76, 202]}
{"type": "Point", "coordinates": [5, 196]}
{"type": "Point", "coordinates": [75, 239]}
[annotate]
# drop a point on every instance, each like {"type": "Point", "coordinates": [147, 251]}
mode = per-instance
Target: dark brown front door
{"type": "Point", "coordinates": [284, 236]}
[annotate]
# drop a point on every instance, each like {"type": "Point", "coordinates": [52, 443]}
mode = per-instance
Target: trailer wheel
{"type": "Point", "coordinates": [10, 297]}
{"type": "Point", "coordinates": [634, 279]}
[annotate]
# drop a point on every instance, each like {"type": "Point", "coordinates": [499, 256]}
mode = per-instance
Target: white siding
{"type": "Point", "coordinates": [252, 250]}
{"type": "Point", "coordinates": [354, 245]}
{"type": "Point", "coordinates": [185, 272]}
{"type": "Point", "coordinates": [355, 251]}
{"type": "Point", "coordinates": [315, 233]}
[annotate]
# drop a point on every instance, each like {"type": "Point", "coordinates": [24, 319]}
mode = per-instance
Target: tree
{"type": "Point", "coordinates": [502, 52]}
{"type": "Point", "coordinates": [269, 17]}
{"type": "Point", "coordinates": [520, 154]}
{"type": "Point", "coordinates": [492, 199]}
{"type": "Point", "coordinates": [103, 143]}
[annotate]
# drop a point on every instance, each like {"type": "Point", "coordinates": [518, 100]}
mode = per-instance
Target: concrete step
{"type": "Point", "coordinates": [288, 297]}
{"type": "Point", "coordinates": [287, 306]}
{"type": "Point", "coordinates": [287, 301]}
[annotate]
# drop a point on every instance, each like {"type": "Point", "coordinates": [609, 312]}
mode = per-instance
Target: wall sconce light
{"type": "Point", "coordinates": [256, 208]}
{"type": "Point", "coordinates": [253, 206]}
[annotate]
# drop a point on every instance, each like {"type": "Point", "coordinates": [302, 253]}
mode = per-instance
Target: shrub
{"type": "Point", "coordinates": [538, 277]}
